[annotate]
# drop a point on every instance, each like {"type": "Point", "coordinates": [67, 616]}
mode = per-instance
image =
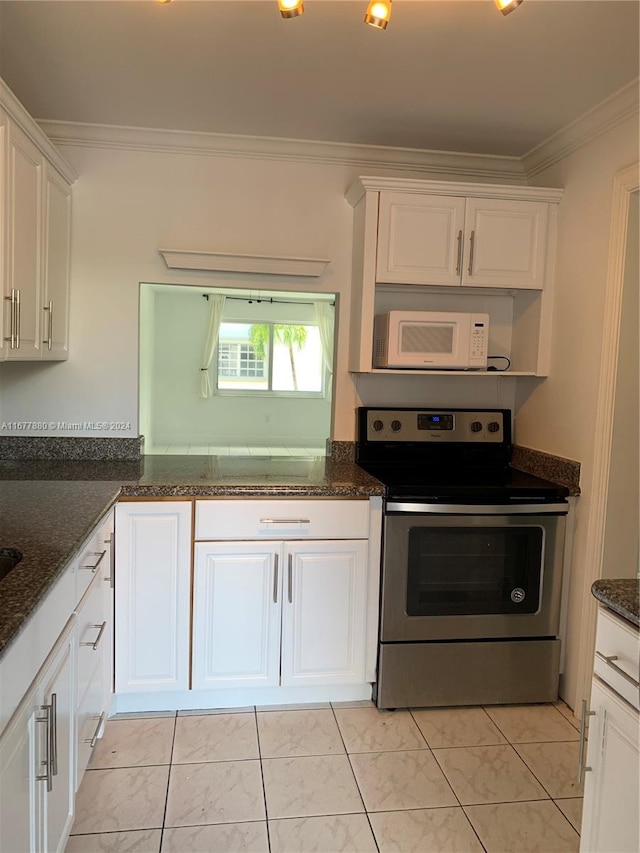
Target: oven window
{"type": "Point", "coordinates": [474, 570]}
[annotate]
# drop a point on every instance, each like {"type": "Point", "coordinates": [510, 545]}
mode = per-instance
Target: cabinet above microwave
{"type": "Point", "coordinates": [451, 246]}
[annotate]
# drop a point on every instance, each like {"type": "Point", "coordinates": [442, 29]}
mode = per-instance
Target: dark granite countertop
{"type": "Point", "coordinates": [620, 595]}
{"type": "Point", "coordinates": [49, 507]}
{"type": "Point", "coordinates": [48, 522]}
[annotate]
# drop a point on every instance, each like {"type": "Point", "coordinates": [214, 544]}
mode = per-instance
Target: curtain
{"type": "Point", "coordinates": [324, 319]}
{"type": "Point", "coordinates": [216, 307]}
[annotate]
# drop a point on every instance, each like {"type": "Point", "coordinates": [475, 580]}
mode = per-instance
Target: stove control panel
{"type": "Point", "coordinates": [436, 425]}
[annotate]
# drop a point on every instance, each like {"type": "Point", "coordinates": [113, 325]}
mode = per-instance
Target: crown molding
{"type": "Point", "coordinates": [605, 116]}
{"type": "Point", "coordinates": [365, 184]}
{"type": "Point", "coordinates": [485, 166]}
{"type": "Point", "coordinates": [183, 259]}
{"type": "Point", "coordinates": [40, 138]}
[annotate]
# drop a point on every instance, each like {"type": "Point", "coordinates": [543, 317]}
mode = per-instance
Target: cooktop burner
{"type": "Point", "coordinates": [446, 454]}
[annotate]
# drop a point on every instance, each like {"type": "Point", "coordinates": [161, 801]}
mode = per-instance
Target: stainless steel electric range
{"type": "Point", "coordinates": [471, 560]}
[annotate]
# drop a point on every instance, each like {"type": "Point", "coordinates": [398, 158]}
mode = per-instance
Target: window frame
{"type": "Point", "coordinates": [268, 392]}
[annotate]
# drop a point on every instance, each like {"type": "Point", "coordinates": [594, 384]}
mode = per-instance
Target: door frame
{"type": "Point", "coordinates": [625, 182]}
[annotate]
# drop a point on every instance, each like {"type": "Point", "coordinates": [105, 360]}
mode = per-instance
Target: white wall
{"type": "Point", "coordinates": [620, 557]}
{"type": "Point", "coordinates": [558, 415]}
{"type": "Point", "coordinates": [129, 203]}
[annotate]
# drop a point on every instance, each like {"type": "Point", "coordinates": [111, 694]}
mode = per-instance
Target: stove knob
{"type": "Point", "coordinates": [396, 425]}
{"type": "Point", "coordinates": [493, 426]}
{"type": "Point", "coordinates": [377, 425]}
{"type": "Point", "coordinates": [476, 426]}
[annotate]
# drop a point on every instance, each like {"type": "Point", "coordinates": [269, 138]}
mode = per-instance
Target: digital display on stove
{"type": "Point", "coordinates": [432, 422]}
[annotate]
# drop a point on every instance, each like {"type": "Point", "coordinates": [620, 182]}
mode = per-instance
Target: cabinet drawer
{"type": "Point", "coordinates": [620, 643]}
{"type": "Point", "coordinates": [91, 635]}
{"type": "Point", "coordinates": [282, 519]}
{"type": "Point", "coordinates": [93, 555]}
{"type": "Point", "coordinates": [90, 723]}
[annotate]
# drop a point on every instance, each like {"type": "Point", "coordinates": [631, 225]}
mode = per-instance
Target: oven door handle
{"type": "Point", "coordinates": [478, 509]}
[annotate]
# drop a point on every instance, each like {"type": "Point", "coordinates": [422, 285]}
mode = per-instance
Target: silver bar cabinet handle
{"type": "Point", "coordinates": [48, 774]}
{"type": "Point", "coordinates": [96, 643]}
{"type": "Point", "coordinates": [285, 521]}
{"type": "Point", "coordinates": [18, 318]}
{"type": "Point", "coordinates": [54, 734]}
{"type": "Point", "coordinates": [100, 556]}
{"type": "Point", "coordinates": [472, 244]}
{"type": "Point", "coordinates": [275, 580]}
{"type": "Point", "coordinates": [48, 340]}
{"type": "Point", "coordinates": [12, 319]}
{"type": "Point", "coordinates": [609, 660]}
{"type": "Point", "coordinates": [583, 739]}
{"type": "Point", "coordinates": [111, 542]}
{"type": "Point", "coordinates": [93, 740]}
{"type": "Point", "coordinates": [290, 579]}
{"type": "Point", "coordinates": [459, 263]}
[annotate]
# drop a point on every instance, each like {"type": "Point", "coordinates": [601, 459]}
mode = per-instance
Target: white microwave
{"type": "Point", "coordinates": [431, 340]}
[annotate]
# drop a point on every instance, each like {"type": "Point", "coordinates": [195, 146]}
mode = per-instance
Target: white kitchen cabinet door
{"type": "Point", "coordinates": [236, 614]}
{"type": "Point", "coordinates": [19, 802]}
{"type": "Point", "coordinates": [505, 243]}
{"type": "Point", "coordinates": [57, 693]}
{"type": "Point", "coordinates": [22, 291]}
{"type": "Point", "coordinates": [420, 238]}
{"type": "Point", "coordinates": [611, 788]}
{"type": "Point", "coordinates": [324, 609]}
{"type": "Point", "coordinates": [55, 262]}
{"type": "Point", "coordinates": [152, 596]}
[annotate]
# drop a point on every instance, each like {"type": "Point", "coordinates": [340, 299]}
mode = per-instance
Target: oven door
{"type": "Point", "coordinates": [461, 572]}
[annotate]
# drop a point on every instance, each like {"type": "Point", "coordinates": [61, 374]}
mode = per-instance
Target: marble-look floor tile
{"type": "Point", "coordinates": [572, 810]}
{"type": "Point", "coordinates": [312, 785]}
{"type": "Point", "coordinates": [420, 830]}
{"type": "Point", "coordinates": [531, 723]}
{"type": "Point", "coordinates": [311, 706]}
{"type": "Point", "coordinates": [141, 715]}
{"type": "Point", "coordinates": [290, 733]}
{"type": "Point", "coordinates": [201, 712]}
{"type": "Point", "coordinates": [121, 799]}
{"type": "Point", "coordinates": [136, 841]}
{"type": "Point", "coordinates": [371, 730]}
{"type": "Point", "coordinates": [553, 764]}
{"type": "Point", "coordinates": [134, 743]}
{"type": "Point", "coordinates": [215, 737]}
{"type": "Point", "coordinates": [349, 833]}
{"type": "Point", "coordinates": [488, 774]}
{"type": "Point", "coordinates": [248, 837]}
{"type": "Point", "coordinates": [217, 792]}
{"type": "Point", "coordinates": [537, 827]}
{"type": "Point", "coordinates": [443, 727]}
{"type": "Point", "coordinates": [401, 780]}
{"type": "Point", "coordinates": [355, 703]}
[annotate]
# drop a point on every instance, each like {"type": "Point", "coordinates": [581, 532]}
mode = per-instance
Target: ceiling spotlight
{"type": "Point", "coordinates": [379, 13]}
{"type": "Point", "coordinates": [290, 8]}
{"type": "Point", "coordinates": [507, 6]}
{"type": "Point", "coordinates": [164, 1]}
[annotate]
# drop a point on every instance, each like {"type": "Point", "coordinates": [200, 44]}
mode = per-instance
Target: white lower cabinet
{"type": "Point", "coordinates": [612, 778]}
{"type": "Point", "coordinates": [270, 614]}
{"type": "Point", "coordinates": [152, 598]}
{"type": "Point", "coordinates": [37, 759]}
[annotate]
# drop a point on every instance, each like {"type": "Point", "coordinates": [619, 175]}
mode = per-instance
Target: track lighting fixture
{"type": "Point", "coordinates": [290, 8]}
{"type": "Point", "coordinates": [507, 6]}
{"type": "Point", "coordinates": [378, 13]}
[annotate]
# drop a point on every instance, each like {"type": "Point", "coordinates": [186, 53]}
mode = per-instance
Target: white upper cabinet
{"type": "Point", "coordinates": [35, 229]}
{"type": "Point", "coordinates": [420, 239]}
{"type": "Point", "coordinates": [446, 246]}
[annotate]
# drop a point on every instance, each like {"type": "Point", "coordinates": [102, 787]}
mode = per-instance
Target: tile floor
{"type": "Point", "coordinates": [227, 450]}
{"type": "Point", "coordinates": [330, 778]}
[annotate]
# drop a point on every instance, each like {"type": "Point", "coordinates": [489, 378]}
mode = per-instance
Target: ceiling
{"type": "Point", "coordinates": [447, 74]}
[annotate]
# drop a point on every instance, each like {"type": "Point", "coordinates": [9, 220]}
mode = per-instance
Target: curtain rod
{"type": "Point", "coordinates": [270, 300]}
